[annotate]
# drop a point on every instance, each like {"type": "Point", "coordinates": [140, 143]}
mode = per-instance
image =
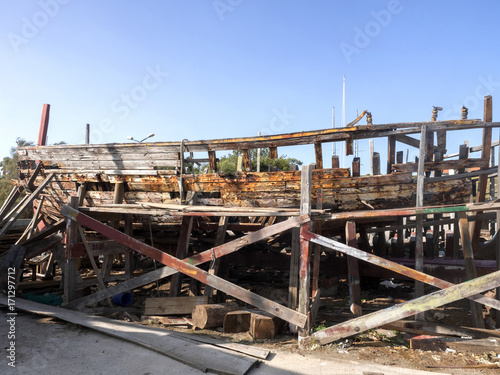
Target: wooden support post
{"type": "Point", "coordinates": [319, 155]}
{"type": "Point", "coordinates": [119, 193]}
{"type": "Point", "coordinates": [71, 265]}
{"type": "Point", "coordinates": [365, 242]}
{"type": "Point", "coordinates": [353, 271]}
{"type": "Point", "coordinates": [400, 245]}
{"type": "Point", "coordinates": [463, 153]}
{"type": "Point", "coordinates": [212, 161]}
{"type": "Point", "coordinates": [470, 267]}
{"type": "Point", "coordinates": [391, 153]}
{"type": "Point", "coordinates": [181, 253]}
{"type": "Point", "coordinates": [429, 148]}
{"type": "Point", "coordinates": [294, 269]}
{"type": "Point", "coordinates": [349, 145]}
{"type": "Point", "coordinates": [219, 240]}
{"type": "Point", "coordinates": [356, 167]}
{"type": "Point", "coordinates": [273, 152]}
{"type": "Point", "coordinates": [376, 163]}
{"type": "Point", "coordinates": [335, 161]}
{"type": "Point", "coordinates": [44, 125]}
{"type": "Point", "coordinates": [437, 230]}
{"type": "Point", "coordinates": [129, 254]}
{"type": "Point", "coordinates": [419, 243]}
{"type": "Point", "coordinates": [97, 272]}
{"type": "Point", "coordinates": [483, 179]}
{"type": "Point", "coordinates": [305, 251]}
{"type": "Point", "coordinates": [247, 164]}
{"type": "Point", "coordinates": [399, 157]}
{"type": "Point", "coordinates": [498, 242]}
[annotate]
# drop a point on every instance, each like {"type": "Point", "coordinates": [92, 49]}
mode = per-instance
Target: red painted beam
{"type": "Point", "coordinates": [44, 125]}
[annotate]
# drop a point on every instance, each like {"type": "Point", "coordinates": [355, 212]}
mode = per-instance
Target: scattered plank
{"type": "Point", "coordinates": [204, 356]}
{"type": "Point", "coordinates": [165, 320]}
{"type": "Point", "coordinates": [173, 305]}
{"type": "Point", "coordinates": [430, 328]}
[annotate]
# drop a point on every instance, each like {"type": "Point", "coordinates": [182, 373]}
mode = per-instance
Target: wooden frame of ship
{"type": "Point", "coordinates": [119, 200]}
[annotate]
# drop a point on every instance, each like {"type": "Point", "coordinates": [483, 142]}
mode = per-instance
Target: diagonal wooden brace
{"type": "Point", "coordinates": [406, 309]}
{"type": "Point", "coordinates": [188, 269]}
{"type": "Point", "coordinates": [395, 267]}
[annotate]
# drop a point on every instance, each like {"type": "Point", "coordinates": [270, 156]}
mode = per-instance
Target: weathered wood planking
{"type": "Point", "coordinates": [276, 189]}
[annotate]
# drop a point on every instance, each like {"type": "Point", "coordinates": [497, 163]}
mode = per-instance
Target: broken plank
{"type": "Point", "coordinates": [406, 309]}
{"type": "Point", "coordinates": [173, 305]}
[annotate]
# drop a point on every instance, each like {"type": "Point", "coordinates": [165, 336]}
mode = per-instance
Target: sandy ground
{"type": "Point", "coordinates": [47, 346]}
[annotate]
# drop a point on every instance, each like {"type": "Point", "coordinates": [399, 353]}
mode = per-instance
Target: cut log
{"type": "Point", "coordinates": [237, 321]}
{"type": "Point", "coordinates": [211, 316]}
{"type": "Point", "coordinates": [261, 325]}
{"type": "Point", "coordinates": [173, 305]}
{"type": "Point", "coordinates": [264, 326]}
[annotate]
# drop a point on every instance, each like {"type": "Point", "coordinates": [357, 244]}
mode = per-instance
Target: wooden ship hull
{"type": "Point", "coordinates": [119, 199]}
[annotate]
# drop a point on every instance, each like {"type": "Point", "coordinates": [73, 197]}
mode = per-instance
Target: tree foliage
{"type": "Point", "coordinates": [229, 163]}
{"type": "Point", "coordinates": [8, 167]}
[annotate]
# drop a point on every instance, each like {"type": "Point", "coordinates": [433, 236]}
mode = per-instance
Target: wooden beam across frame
{"type": "Point", "coordinates": [187, 268]}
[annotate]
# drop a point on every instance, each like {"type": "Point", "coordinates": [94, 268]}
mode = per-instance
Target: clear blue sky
{"type": "Point", "coordinates": [226, 68]}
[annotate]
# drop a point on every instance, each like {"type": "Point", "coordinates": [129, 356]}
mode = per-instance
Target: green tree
{"type": "Point", "coordinates": [229, 163]}
{"type": "Point", "coordinates": [8, 167]}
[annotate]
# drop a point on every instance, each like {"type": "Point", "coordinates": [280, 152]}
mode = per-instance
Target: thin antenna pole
{"type": "Point", "coordinates": [343, 118]}
{"type": "Point", "coordinates": [334, 151]}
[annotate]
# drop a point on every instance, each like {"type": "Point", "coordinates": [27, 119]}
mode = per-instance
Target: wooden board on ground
{"type": "Point", "coordinates": [165, 320]}
{"type": "Point", "coordinates": [442, 343]}
{"type": "Point", "coordinates": [203, 356]}
{"type": "Point", "coordinates": [173, 305]}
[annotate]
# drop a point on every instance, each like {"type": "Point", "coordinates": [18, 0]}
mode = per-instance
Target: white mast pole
{"type": "Point", "coordinates": [343, 120]}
